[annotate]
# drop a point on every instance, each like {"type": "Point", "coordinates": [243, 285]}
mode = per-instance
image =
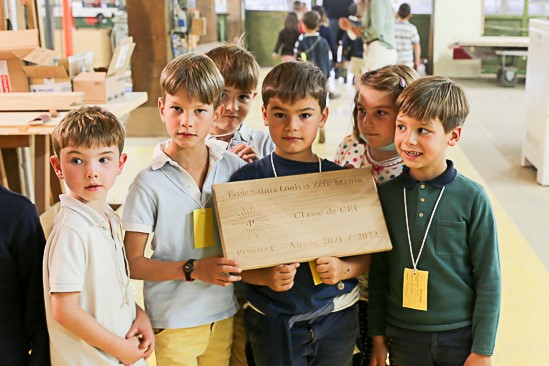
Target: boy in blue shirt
{"type": "Point", "coordinates": [289, 320]}
{"type": "Point", "coordinates": [188, 285]}
{"type": "Point", "coordinates": [436, 295]}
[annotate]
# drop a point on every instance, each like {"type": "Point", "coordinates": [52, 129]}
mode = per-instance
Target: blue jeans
{"type": "Point", "coordinates": [327, 340]}
{"type": "Point", "coordinates": [415, 348]}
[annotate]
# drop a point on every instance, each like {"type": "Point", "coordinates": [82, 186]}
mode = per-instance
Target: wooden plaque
{"type": "Point", "coordinates": [298, 218]}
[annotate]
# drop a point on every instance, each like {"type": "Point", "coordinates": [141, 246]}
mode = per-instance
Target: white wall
{"type": "Point", "coordinates": [455, 20]}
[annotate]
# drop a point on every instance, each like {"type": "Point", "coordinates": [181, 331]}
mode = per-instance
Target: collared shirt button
{"type": "Point", "coordinates": [422, 186]}
{"type": "Point", "coordinates": [422, 199]}
{"type": "Point", "coordinates": [421, 214]}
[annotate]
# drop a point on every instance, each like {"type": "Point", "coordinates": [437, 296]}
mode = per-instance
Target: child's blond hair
{"type": "Point", "coordinates": [88, 126]}
{"type": "Point", "coordinates": [432, 98]}
{"type": "Point", "coordinates": [392, 79]}
{"type": "Point", "coordinates": [196, 75]}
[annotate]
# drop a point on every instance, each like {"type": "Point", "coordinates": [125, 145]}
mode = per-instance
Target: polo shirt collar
{"type": "Point", "coordinates": [87, 212]}
{"type": "Point", "coordinates": [160, 158]}
{"type": "Point", "coordinates": [442, 180]}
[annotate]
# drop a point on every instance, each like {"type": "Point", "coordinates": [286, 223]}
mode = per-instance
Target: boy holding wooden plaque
{"type": "Point", "coordinates": [291, 317]}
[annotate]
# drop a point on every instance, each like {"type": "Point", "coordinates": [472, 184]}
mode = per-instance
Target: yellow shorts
{"type": "Point", "coordinates": [206, 345]}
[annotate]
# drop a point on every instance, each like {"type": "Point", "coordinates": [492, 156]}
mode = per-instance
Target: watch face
{"type": "Point", "coordinates": [189, 266]}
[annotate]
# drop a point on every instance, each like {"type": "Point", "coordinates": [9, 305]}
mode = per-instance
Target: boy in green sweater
{"type": "Point", "coordinates": [436, 296]}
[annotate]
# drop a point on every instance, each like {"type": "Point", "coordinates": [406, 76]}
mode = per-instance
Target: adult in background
{"type": "Point", "coordinates": [336, 9]}
{"type": "Point", "coordinates": [377, 32]}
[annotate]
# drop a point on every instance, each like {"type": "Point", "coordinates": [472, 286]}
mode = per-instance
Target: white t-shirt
{"type": "Point", "coordinates": [84, 254]}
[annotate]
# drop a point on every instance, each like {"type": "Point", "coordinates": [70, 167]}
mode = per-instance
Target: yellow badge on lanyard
{"type": "Point", "coordinates": [203, 228]}
{"type": "Point", "coordinates": [316, 277]}
{"type": "Point", "coordinates": [414, 291]}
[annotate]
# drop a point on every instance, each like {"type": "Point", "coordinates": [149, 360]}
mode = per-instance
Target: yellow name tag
{"type": "Point", "coordinates": [303, 56]}
{"type": "Point", "coordinates": [203, 228]}
{"type": "Point", "coordinates": [316, 277]}
{"type": "Point", "coordinates": [414, 292]}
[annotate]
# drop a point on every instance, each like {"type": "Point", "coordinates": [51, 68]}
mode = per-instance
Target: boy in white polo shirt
{"type": "Point", "coordinates": [90, 310]}
{"type": "Point", "coordinates": [188, 292]}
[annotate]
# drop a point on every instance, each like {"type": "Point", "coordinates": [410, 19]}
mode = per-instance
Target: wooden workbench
{"type": "Point", "coordinates": [15, 132]}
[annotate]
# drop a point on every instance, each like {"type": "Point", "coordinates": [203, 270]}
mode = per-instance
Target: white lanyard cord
{"type": "Point", "coordinates": [415, 262]}
{"type": "Point", "coordinates": [276, 175]}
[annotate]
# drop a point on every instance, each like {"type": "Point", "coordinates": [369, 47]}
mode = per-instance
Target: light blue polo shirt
{"type": "Point", "coordinates": [161, 200]}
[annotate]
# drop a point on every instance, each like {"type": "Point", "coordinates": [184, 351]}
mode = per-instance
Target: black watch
{"type": "Point", "coordinates": [188, 269]}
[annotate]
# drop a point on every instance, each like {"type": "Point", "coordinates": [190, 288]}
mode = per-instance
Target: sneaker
{"type": "Point", "coordinates": [333, 95]}
{"type": "Point", "coordinates": [321, 136]}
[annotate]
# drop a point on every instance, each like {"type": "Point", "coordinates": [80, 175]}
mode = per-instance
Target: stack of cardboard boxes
{"type": "Point", "coordinates": [24, 67]}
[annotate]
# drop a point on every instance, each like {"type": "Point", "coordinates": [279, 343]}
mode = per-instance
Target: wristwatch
{"type": "Point", "coordinates": [188, 269]}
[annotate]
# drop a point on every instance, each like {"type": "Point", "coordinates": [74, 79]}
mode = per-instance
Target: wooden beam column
{"type": "Point", "coordinates": [207, 10]}
{"type": "Point", "coordinates": [234, 19]}
{"type": "Point", "coordinates": [148, 25]}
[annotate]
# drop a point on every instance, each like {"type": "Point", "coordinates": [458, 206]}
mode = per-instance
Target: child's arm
{"type": "Point", "coordinates": [142, 328]}
{"type": "Point", "coordinates": [475, 359]}
{"type": "Point", "coordinates": [331, 270]}
{"type": "Point", "coordinates": [68, 313]}
{"type": "Point", "coordinates": [379, 351]}
{"type": "Point", "coordinates": [278, 278]}
{"type": "Point", "coordinates": [217, 270]}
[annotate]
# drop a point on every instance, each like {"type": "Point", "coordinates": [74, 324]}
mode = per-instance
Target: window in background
{"type": "Point", "coordinates": [538, 7]}
{"type": "Point", "coordinates": [504, 7]}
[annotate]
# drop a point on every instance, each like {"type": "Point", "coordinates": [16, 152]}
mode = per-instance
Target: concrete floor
{"type": "Point", "coordinates": [488, 152]}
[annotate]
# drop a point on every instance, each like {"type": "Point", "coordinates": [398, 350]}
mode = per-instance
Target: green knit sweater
{"type": "Point", "coordinates": [460, 253]}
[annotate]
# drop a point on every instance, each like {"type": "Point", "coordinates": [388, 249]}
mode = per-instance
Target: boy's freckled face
{"type": "Point", "coordinates": [376, 116]}
{"type": "Point", "coordinates": [187, 122]}
{"type": "Point", "coordinates": [89, 172]}
{"type": "Point", "coordinates": [293, 127]}
{"type": "Point", "coordinates": [237, 104]}
{"type": "Point", "coordinates": [423, 145]}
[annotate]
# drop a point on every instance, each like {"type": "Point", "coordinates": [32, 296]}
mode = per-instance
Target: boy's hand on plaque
{"type": "Point", "coordinates": [280, 278]}
{"type": "Point", "coordinates": [217, 270]}
{"type": "Point", "coordinates": [331, 270]}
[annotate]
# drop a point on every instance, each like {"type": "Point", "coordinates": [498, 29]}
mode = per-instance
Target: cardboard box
{"type": "Point", "coordinates": [14, 47]}
{"type": "Point", "coordinates": [49, 78]}
{"type": "Point", "coordinates": [102, 87]}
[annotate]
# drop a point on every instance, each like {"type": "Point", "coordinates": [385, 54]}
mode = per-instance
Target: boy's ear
{"type": "Point", "coordinates": [56, 164]}
{"type": "Point", "coordinates": [455, 135]}
{"type": "Point", "coordinates": [161, 108]}
{"type": "Point", "coordinates": [264, 114]}
{"type": "Point", "coordinates": [121, 162]}
{"type": "Point", "coordinates": [218, 113]}
{"type": "Point", "coordinates": [324, 118]}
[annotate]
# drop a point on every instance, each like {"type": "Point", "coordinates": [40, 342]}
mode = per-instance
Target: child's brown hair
{"type": "Point", "coordinates": [295, 80]}
{"type": "Point", "coordinates": [433, 98]}
{"type": "Point", "coordinates": [197, 75]}
{"type": "Point", "coordinates": [88, 126]}
{"type": "Point", "coordinates": [237, 65]}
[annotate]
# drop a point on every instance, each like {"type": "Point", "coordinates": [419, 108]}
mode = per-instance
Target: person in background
{"type": "Point", "coordinates": [336, 9]}
{"type": "Point", "coordinates": [287, 37]}
{"type": "Point", "coordinates": [22, 311]}
{"type": "Point", "coordinates": [240, 72]}
{"type": "Point", "coordinates": [353, 48]}
{"type": "Point", "coordinates": [435, 297]}
{"type": "Point", "coordinates": [377, 32]}
{"type": "Point", "coordinates": [371, 144]}
{"type": "Point", "coordinates": [407, 38]}
{"type": "Point", "coordinates": [299, 8]}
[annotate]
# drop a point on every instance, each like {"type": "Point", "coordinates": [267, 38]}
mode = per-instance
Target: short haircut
{"type": "Point", "coordinates": [237, 65]}
{"type": "Point", "coordinates": [88, 126]}
{"type": "Point", "coordinates": [295, 80]}
{"type": "Point", "coordinates": [311, 20]}
{"type": "Point", "coordinates": [433, 98]}
{"type": "Point", "coordinates": [404, 10]}
{"type": "Point", "coordinates": [320, 10]}
{"type": "Point", "coordinates": [392, 79]}
{"type": "Point", "coordinates": [196, 75]}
